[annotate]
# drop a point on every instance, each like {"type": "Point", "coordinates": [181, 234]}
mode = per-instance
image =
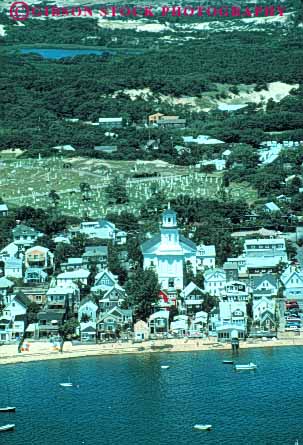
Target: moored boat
{"type": "Point", "coordinates": [8, 409]}
{"type": "Point", "coordinates": [164, 367]}
{"type": "Point", "coordinates": [250, 367]}
{"type": "Point", "coordinates": [202, 427]}
{"type": "Point", "coordinates": [8, 427]}
{"type": "Point", "coordinates": [68, 384]}
{"type": "Point", "coordinates": [228, 362]}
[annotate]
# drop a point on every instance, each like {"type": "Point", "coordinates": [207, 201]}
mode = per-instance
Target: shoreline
{"type": "Point", "coordinates": [42, 351]}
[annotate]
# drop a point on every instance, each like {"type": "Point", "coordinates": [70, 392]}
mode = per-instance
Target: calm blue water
{"type": "Point", "coordinates": [52, 53]}
{"type": "Point", "coordinates": [125, 400]}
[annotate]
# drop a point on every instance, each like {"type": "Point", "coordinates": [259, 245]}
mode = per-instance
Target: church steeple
{"type": "Point", "coordinates": [169, 229]}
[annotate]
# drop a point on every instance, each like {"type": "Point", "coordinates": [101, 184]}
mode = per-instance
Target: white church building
{"type": "Point", "coordinates": [167, 252]}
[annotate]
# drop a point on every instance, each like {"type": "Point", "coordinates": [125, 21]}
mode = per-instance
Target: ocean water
{"type": "Point", "coordinates": [123, 400]}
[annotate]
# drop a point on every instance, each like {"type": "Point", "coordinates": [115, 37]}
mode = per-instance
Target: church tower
{"type": "Point", "coordinates": [169, 228]}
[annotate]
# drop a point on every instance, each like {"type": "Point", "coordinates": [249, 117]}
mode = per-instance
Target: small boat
{"type": "Point", "coordinates": [228, 362]}
{"type": "Point", "coordinates": [203, 427]}
{"type": "Point", "coordinates": [68, 384]}
{"type": "Point", "coordinates": [8, 409]}
{"type": "Point", "coordinates": [164, 367]}
{"type": "Point", "coordinates": [250, 367]}
{"type": "Point", "coordinates": [7, 427]}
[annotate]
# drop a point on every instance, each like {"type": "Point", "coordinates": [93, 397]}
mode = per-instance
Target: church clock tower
{"type": "Point", "coordinates": [169, 229]}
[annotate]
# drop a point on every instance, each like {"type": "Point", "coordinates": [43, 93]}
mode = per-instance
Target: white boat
{"type": "Point", "coordinates": [8, 427]}
{"type": "Point", "coordinates": [164, 367]}
{"type": "Point", "coordinates": [203, 427]}
{"type": "Point", "coordinates": [68, 384]}
{"type": "Point", "coordinates": [8, 409]}
{"type": "Point", "coordinates": [251, 366]}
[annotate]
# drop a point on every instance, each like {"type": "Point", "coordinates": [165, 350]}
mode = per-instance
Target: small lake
{"type": "Point", "coordinates": [59, 53]}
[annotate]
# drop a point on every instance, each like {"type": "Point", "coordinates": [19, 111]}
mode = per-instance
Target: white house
{"type": "Point", "coordinates": [58, 296]}
{"type": "Point", "coordinates": [79, 275]}
{"type": "Point", "coordinates": [158, 323]}
{"type": "Point", "coordinates": [206, 257]}
{"type": "Point", "coordinates": [167, 252]}
{"type": "Point", "coordinates": [236, 291]}
{"type": "Point", "coordinates": [6, 287]}
{"type": "Point", "coordinates": [13, 268]}
{"type": "Point", "coordinates": [17, 306]}
{"type": "Point", "coordinates": [264, 253]}
{"type": "Point", "coordinates": [3, 210]}
{"type": "Point", "coordinates": [38, 256]}
{"type": "Point", "coordinates": [193, 298]}
{"type": "Point", "coordinates": [9, 251]}
{"type": "Point", "coordinates": [103, 229]}
{"type": "Point", "coordinates": [25, 236]}
{"type": "Point", "coordinates": [271, 207]}
{"type": "Point", "coordinates": [264, 314]}
{"type": "Point", "coordinates": [230, 320]}
{"type": "Point", "coordinates": [89, 308]}
{"type": "Point", "coordinates": [214, 281]}
{"type": "Point", "coordinates": [292, 280]}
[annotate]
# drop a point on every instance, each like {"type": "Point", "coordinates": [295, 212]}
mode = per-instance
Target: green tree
{"type": "Point", "coordinates": [31, 316]}
{"type": "Point", "coordinates": [54, 198]}
{"type": "Point", "coordinates": [117, 191]}
{"type": "Point", "coordinates": [66, 330]}
{"type": "Point", "coordinates": [142, 290]}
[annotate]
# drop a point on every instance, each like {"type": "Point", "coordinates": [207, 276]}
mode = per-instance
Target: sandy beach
{"type": "Point", "coordinates": [39, 351]}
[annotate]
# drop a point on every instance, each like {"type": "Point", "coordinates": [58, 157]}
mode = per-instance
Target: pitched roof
{"type": "Point", "coordinates": [266, 277]}
{"type": "Point", "coordinates": [22, 299]}
{"type": "Point", "coordinates": [188, 242]}
{"type": "Point", "coordinates": [151, 242]}
{"type": "Point", "coordinates": [5, 283]}
{"type": "Point", "coordinates": [74, 274]}
{"type": "Point", "coordinates": [22, 229]}
{"type": "Point", "coordinates": [13, 263]}
{"type": "Point", "coordinates": [95, 251]}
{"type": "Point", "coordinates": [190, 288]}
{"type": "Point", "coordinates": [88, 329]}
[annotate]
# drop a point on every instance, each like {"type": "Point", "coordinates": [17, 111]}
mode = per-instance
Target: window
{"type": "Point", "coordinates": [171, 282]}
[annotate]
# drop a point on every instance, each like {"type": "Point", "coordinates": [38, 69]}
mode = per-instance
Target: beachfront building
{"type": "Point", "coordinates": [88, 310]}
{"type": "Point", "coordinates": [167, 252]}
{"type": "Point", "coordinates": [229, 320]}
{"type": "Point", "coordinates": [114, 321]}
{"type": "Point", "coordinates": [292, 281]}
{"type": "Point", "coordinates": [158, 323]}
{"type": "Point", "coordinates": [264, 318]}
{"type": "Point", "coordinates": [192, 298]}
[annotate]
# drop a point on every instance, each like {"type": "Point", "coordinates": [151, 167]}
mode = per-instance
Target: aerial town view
{"type": "Point", "coordinates": [151, 223]}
